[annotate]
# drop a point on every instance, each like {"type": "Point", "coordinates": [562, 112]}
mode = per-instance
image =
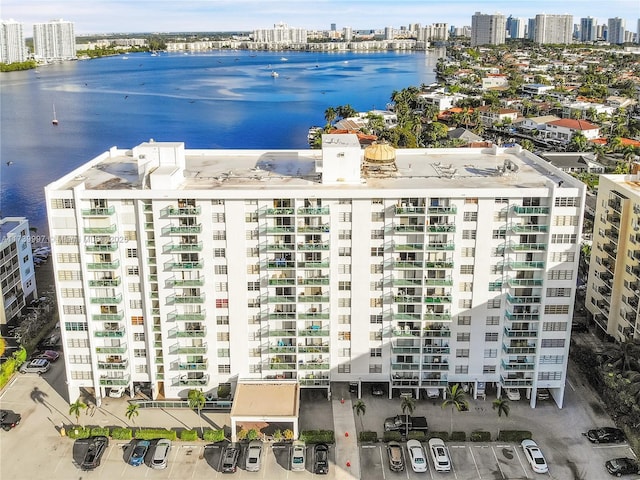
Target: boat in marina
{"type": "Point", "coordinates": [275, 74]}
{"type": "Point", "coordinates": [55, 119]}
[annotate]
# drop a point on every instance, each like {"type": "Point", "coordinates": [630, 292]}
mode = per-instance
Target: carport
{"type": "Point", "coordinates": [265, 402]}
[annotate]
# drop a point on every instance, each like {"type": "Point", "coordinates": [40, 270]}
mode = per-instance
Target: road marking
{"type": "Point", "coordinates": [611, 446]}
{"type": "Point", "coordinates": [368, 446]}
{"type": "Point", "coordinates": [384, 475]}
{"type": "Point", "coordinates": [572, 387]}
{"type": "Point", "coordinates": [497, 461]}
{"type": "Point", "coordinates": [521, 464]}
{"type": "Point", "coordinates": [475, 463]}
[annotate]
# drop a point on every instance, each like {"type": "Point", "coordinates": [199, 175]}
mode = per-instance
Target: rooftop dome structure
{"type": "Point", "coordinates": [380, 159]}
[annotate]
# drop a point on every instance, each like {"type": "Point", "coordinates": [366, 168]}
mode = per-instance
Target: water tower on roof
{"type": "Point", "coordinates": [379, 159]}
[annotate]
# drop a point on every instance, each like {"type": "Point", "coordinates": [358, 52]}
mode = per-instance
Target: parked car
{"type": "Point", "coordinates": [161, 454]}
{"type": "Point", "coordinates": [605, 435]}
{"type": "Point", "coordinates": [396, 462]}
{"type": "Point", "coordinates": [416, 456]}
{"type": "Point", "coordinates": [403, 423]}
{"type": "Point", "coordinates": [116, 392]}
{"type": "Point", "coordinates": [97, 446]}
{"type": "Point", "coordinates": [433, 393]}
{"type": "Point", "coordinates": [622, 466]}
{"type": "Point", "coordinates": [579, 327]}
{"type": "Point", "coordinates": [37, 365]}
{"type": "Point", "coordinates": [254, 453]}
{"type": "Point", "coordinates": [230, 458]}
{"type": "Point", "coordinates": [298, 456]}
{"type": "Point", "coordinates": [138, 453]}
{"type": "Point", "coordinates": [512, 394]}
{"type": "Point", "coordinates": [9, 419]}
{"type": "Point", "coordinates": [321, 459]}
{"type": "Point", "coordinates": [377, 390]}
{"type": "Point", "coordinates": [439, 455]}
{"type": "Point", "coordinates": [50, 355]}
{"type": "Point", "coordinates": [534, 456]}
{"type": "Point", "coordinates": [543, 394]}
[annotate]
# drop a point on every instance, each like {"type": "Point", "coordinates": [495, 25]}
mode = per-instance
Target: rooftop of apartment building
{"type": "Point", "coordinates": [478, 168]}
{"type": "Point", "coordinates": [7, 225]}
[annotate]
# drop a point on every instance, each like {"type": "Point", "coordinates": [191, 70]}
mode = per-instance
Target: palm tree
{"type": "Point", "coordinates": [456, 398]}
{"type": "Point", "coordinates": [133, 410]}
{"type": "Point", "coordinates": [623, 356]}
{"type": "Point", "coordinates": [330, 115]}
{"type": "Point", "coordinates": [407, 406]}
{"type": "Point", "coordinates": [196, 402]}
{"type": "Point", "coordinates": [360, 408]}
{"type": "Point", "coordinates": [502, 406]}
{"type": "Point", "coordinates": [76, 409]}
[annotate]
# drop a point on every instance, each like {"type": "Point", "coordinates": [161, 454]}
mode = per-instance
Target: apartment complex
{"type": "Point", "coordinates": [616, 30]}
{"type": "Point", "coordinates": [281, 33]}
{"type": "Point", "coordinates": [54, 41]}
{"type": "Point", "coordinates": [553, 29]}
{"type": "Point", "coordinates": [417, 268]}
{"type": "Point", "coordinates": [487, 29]}
{"type": "Point", "coordinates": [17, 274]}
{"type": "Point", "coordinates": [613, 288]}
{"type": "Point", "coordinates": [588, 29]}
{"type": "Point", "coordinates": [12, 47]}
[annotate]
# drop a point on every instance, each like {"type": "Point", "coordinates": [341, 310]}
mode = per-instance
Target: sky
{"type": "Point", "coordinates": [121, 16]}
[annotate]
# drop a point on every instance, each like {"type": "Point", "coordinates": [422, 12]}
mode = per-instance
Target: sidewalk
{"type": "Point", "coordinates": [347, 452]}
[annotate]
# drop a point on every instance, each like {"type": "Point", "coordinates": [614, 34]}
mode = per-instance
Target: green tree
{"type": "Point", "coordinates": [330, 115]}
{"type": "Point", "coordinates": [133, 410]}
{"type": "Point", "coordinates": [502, 406]}
{"type": "Point", "coordinates": [407, 406]}
{"type": "Point", "coordinates": [76, 408]}
{"type": "Point", "coordinates": [578, 142]}
{"type": "Point", "coordinates": [455, 398]}
{"type": "Point", "coordinates": [360, 408]}
{"type": "Point", "coordinates": [527, 145]}
{"type": "Point", "coordinates": [196, 402]}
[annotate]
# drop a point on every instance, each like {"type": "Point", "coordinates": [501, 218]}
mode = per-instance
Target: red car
{"type": "Point", "coordinates": [50, 355]}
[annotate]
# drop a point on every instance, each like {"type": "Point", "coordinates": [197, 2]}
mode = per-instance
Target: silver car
{"type": "Point", "coordinates": [38, 365]}
{"type": "Point", "coordinates": [254, 452]}
{"type": "Point", "coordinates": [298, 456]}
{"type": "Point", "coordinates": [160, 454]}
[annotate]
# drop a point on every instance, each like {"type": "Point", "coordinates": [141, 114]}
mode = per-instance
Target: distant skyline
{"type": "Point", "coordinates": [129, 16]}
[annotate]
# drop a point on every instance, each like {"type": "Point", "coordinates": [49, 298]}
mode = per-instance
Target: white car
{"type": "Point", "coordinates": [416, 455]}
{"type": "Point", "coordinates": [160, 454]}
{"type": "Point", "coordinates": [116, 392]}
{"type": "Point", "coordinates": [512, 393]}
{"type": "Point", "coordinates": [439, 455]}
{"type": "Point", "coordinates": [254, 454]}
{"type": "Point", "coordinates": [534, 456]}
{"type": "Point", "coordinates": [298, 456]}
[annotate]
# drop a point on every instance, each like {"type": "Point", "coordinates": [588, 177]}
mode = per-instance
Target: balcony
{"type": "Point", "coordinates": [98, 212]}
{"type": "Point", "coordinates": [312, 348]}
{"type": "Point", "coordinates": [313, 246]}
{"type": "Point", "coordinates": [122, 348]}
{"type": "Point", "coordinates": [280, 247]}
{"type": "Point", "coordinates": [529, 228]}
{"type": "Point", "coordinates": [193, 381]}
{"type": "Point", "coordinates": [313, 228]}
{"type": "Point", "coordinates": [408, 228]}
{"type": "Point", "coordinates": [324, 263]}
{"type": "Point", "coordinates": [438, 316]}
{"type": "Point", "coordinates": [276, 280]}
{"type": "Point", "coordinates": [441, 228]}
{"type": "Point", "coordinates": [436, 349]}
{"type": "Point", "coordinates": [185, 299]}
{"type": "Point", "coordinates": [525, 282]}
{"type": "Point", "coordinates": [203, 365]}
{"type": "Point", "coordinates": [279, 264]}
{"type": "Point", "coordinates": [282, 333]}
{"type": "Point", "coordinates": [106, 247]}
{"type": "Point", "coordinates": [401, 247]}
{"type": "Point", "coordinates": [407, 316]}
{"type": "Point", "coordinates": [313, 366]}
{"type": "Point", "coordinates": [518, 366]}
{"type": "Point", "coordinates": [409, 210]}
{"type": "Point", "coordinates": [188, 350]}
{"type": "Point", "coordinates": [181, 229]}
{"type": "Point", "coordinates": [180, 211]}
{"type": "Point", "coordinates": [523, 300]}
{"type": "Point", "coordinates": [439, 264]}
{"type": "Point", "coordinates": [115, 299]}
{"type": "Point", "coordinates": [519, 350]}
{"type": "Point", "coordinates": [171, 266]}
{"type": "Point", "coordinates": [314, 381]}
{"type": "Point", "coordinates": [313, 332]}
{"type": "Point", "coordinates": [513, 265]}
{"type": "Point", "coordinates": [313, 281]}
{"type": "Point", "coordinates": [407, 299]}
{"type": "Point", "coordinates": [321, 315]}
{"type": "Point", "coordinates": [192, 282]}
{"type": "Point", "coordinates": [281, 366]}
{"type": "Point", "coordinates": [404, 350]}
{"type": "Point", "coordinates": [440, 246]}
{"type": "Point", "coordinates": [516, 382]}
{"type": "Point", "coordinates": [538, 210]}
{"type": "Point", "coordinates": [436, 332]}
{"type": "Point", "coordinates": [438, 282]}
{"type": "Point", "coordinates": [313, 298]}
{"type": "Point", "coordinates": [435, 366]}
{"type": "Point", "coordinates": [100, 230]}
{"type": "Point", "coordinates": [113, 364]}
{"type": "Point", "coordinates": [182, 247]}
{"type": "Point", "coordinates": [279, 212]}
{"type": "Point", "coordinates": [407, 264]}
{"type": "Point", "coordinates": [437, 299]}
{"type": "Point", "coordinates": [517, 333]}
{"type": "Point", "coordinates": [406, 332]}
{"type": "Point", "coordinates": [105, 282]}
{"type": "Point", "coordinates": [109, 333]}
{"type": "Point", "coordinates": [108, 317]}
{"type": "Point", "coordinates": [281, 229]}
{"type": "Point", "coordinates": [114, 265]}
{"type": "Point", "coordinates": [282, 299]}
{"type": "Point", "coordinates": [190, 333]}
{"type": "Point", "coordinates": [313, 211]}
{"type": "Point", "coordinates": [442, 210]}
{"type": "Point", "coordinates": [405, 366]}
{"type": "Point", "coordinates": [122, 381]}
{"type": "Point", "coordinates": [281, 315]}
{"type": "Point", "coordinates": [522, 317]}
{"type": "Point", "coordinates": [187, 317]}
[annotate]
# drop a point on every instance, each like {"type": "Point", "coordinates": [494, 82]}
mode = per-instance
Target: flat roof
{"type": "Point", "coordinates": [266, 399]}
{"type": "Point", "coordinates": [258, 170]}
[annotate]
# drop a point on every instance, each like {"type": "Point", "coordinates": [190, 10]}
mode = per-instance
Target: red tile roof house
{"type": "Point", "coordinates": [563, 129]}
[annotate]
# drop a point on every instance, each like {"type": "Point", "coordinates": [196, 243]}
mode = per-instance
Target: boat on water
{"type": "Point", "coordinates": [55, 119]}
{"type": "Point", "coordinates": [275, 74]}
{"type": "Point", "coordinates": [284, 59]}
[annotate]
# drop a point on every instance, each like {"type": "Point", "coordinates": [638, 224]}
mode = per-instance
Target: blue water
{"type": "Point", "coordinates": [225, 99]}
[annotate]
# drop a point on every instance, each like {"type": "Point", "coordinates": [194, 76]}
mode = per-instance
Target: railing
{"type": "Point", "coordinates": [168, 404]}
{"type": "Point", "coordinates": [408, 246]}
{"type": "Point", "coordinates": [116, 333]}
{"type": "Point", "coordinates": [518, 350]}
{"type": "Point", "coordinates": [313, 228]}
{"type": "Point", "coordinates": [313, 333]}
{"type": "Point", "coordinates": [122, 348]}
{"type": "Point", "coordinates": [523, 299]}
{"type": "Point", "coordinates": [119, 365]}
{"type": "Point", "coordinates": [183, 265]}
{"type": "Point", "coordinates": [520, 210]}
{"type": "Point", "coordinates": [181, 229]}
{"type": "Point", "coordinates": [193, 365]}
{"type": "Point", "coordinates": [313, 246]}
{"type": "Point", "coordinates": [280, 211]}
{"type": "Point", "coordinates": [188, 350]}
{"type": "Point", "coordinates": [105, 282]}
{"type": "Point", "coordinates": [108, 317]}
{"type": "Point", "coordinates": [107, 300]}
{"type": "Point", "coordinates": [313, 211]}
{"type": "Point", "coordinates": [115, 381]}
{"type": "Point", "coordinates": [529, 228]}
{"type": "Point", "coordinates": [442, 210]}
{"type": "Point", "coordinates": [407, 210]}
{"type": "Point", "coordinates": [405, 366]}
{"type": "Point", "coordinates": [442, 228]}
{"type": "Point", "coordinates": [439, 332]}
{"type": "Point", "coordinates": [187, 316]}
{"type": "Point", "coordinates": [443, 316]}
{"type": "Point", "coordinates": [313, 298]}
{"type": "Point", "coordinates": [182, 247]}
{"type": "Point", "coordinates": [204, 380]}
{"type": "Point", "coordinates": [98, 212]}
{"type": "Point", "coordinates": [281, 247]}
{"type": "Point", "coordinates": [195, 282]}
{"type": "Point", "coordinates": [282, 281]}
{"type": "Point", "coordinates": [518, 366]}
{"type": "Point", "coordinates": [182, 299]}
{"type": "Point", "coordinates": [522, 317]}
{"type": "Point", "coordinates": [435, 349]}
{"type": "Point", "coordinates": [408, 228]}
{"type": "Point", "coordinates": [313, 281]}
{"type": "Point", "coordinates": [181, 211]}
{"type": "Point", "coordinates": [104, 265]}
{"type": "Point", "coordinates": [440, 246]}
{"type": "Point", "coordinates": [100, 230]}
{"type": "Point", "coordinates": [313, 366]}
{"type": "Point", "coordinates": [313, 349]}
{"type": "Point", "coordinates": [107, 247]}
{"type": "Point", "coordinates": [510, 332]}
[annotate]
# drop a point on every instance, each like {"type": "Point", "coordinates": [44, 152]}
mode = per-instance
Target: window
{"type": "Point", "coordinates": [344, 302]}
{"type": "Point", "coordinates": [138, 337]}
{"type": "Point", "coordinates": [491, 337]}
{"type": "Point", "coordinates": [492, 320]}
{"type": "Point", "coordinates": [344, 268]}
{"type": "Point", "coordinates": [551, 359]}
{"type": "Point", "coordinates": [344, 335]}
{"type": "Point", "coordinates": [471, 200]}
{"type": "Point", "coordinates": [344, 234]}
{"type": "Point", "coordinates": [556, 309]}
{"type": "Point", "coordinates": [567, 202]}
{"type": "Point", "coordinates": [344, 352]}
{"type": "Point", "coordinates": [251, 235]}
{"type": "Point", "coordinates": [344, 368]}
{"type": "Point", "coordinates": [464, 320]}
{"type": "Point", "coordinates": [344, 251]}
{"type": "Point", "coordinates": [130, 235]}
{"type": "Point", "coordinates": [377, 251]}
{"type": "Point", "coordinates": [465, 287]}
{"type": "Point", "coordinates": [219, 252]}
{"type": "Point", "coordinates": [376, 269]}
{"type": "Point", "coordinates": [75, 326]}
{"type": "Point", "coordinates": [219, 235]}
{"type": "Point", "coordinates": [560, 275]}
{"type": "Point", "coordinates": [78, 343]}
{"type": "Point", "coordinates": [224, 353]}
{"type": "Point", "coordinates": [376, 201]}
{"type": "Point", "coordinates": [377, 216]}
{"type": "Point", "coordinates": [495, 286]}
{"type": "Point", "coordinates": [344, 201]}
{"type": "Point", "coordinates": [132, 271]}
{"type": "Point", "coordinates": [135, 303]}
{"type": "Point", "coordinates": [344, 319]}
{"type": "Point", "coordinates": [488, 369]}
{"type": "Point", "coordinates": [375, 319]}
{"type": "Point", "coordinates": [344, 217]}
{"type": "Point", "coordinates": [344, 285]}
{"type": "Point", "coordinates": [375, 286]}
{"type": "Point", "coordinates": [375, 336]}
{"type": "Point", "coordinates": [470, 216]}
{"type": "Point", "coordinates": [377, 234]}
{"type": "Point", "coordinates": [375, 368]}
{"type": "Point", "coordinates": [132, 253]}
{"type": "Point", "coordinates": [549, 375]}
{"type": "Point", "coordinates": [78, 359]}
{"type": "Point", "coordinates": [463, 369]}
{"type": "Point", "coordinates": [466, 269]}
{"type": "Point", "coordinates": [220, 269]}
{"type": "Point", "coordinates": [141, 368]}
{"type": "Point", "coordinates": [81, 375]}
{"type": "Point", "coordinates": [552, 343]}
{"type": "Point", "coordinates": [253, 269]}
{"type": "Point", "coordinates": [467, 252]}
{"type": "Point", "coordinates": [62, 203]}
{"type": "Point", "coordinates": [375, 352]}
{"type": "Point", "coordinates": [554, 326]}
{"type": "Point", "coordinates": [463, 336]}
{"type": "Point", "coordinates": [490, 353]}
{"type": "Point", "coordinates": [558, 292]}
{"type": "Point", "coordinates": [465, 303]}
{"type": "Point", "coordinates": [222, 303]}
{"type": "Point", "coordinates": [494, 303]}
{"type": "Point", "coordinates": [253, 303]}
{"type": "Point", "coordinates": [563, 238]}
{"type": "Point", "coordinates": [375, 302]}
{"type": "Point", "coordinates": [565, 220]}
{"type": "Point", "coordinates": [502, 200]}
{"type": "Point", "coordinates": [224, 368]}
{"type": "Point", "coordinates": [462, 352]}
{"type": "Point", "coordinates": [500, 216]}
{"type": "Point", "coordinates": [253, 286]}
{"type": "Point", "coordinates": [217, 218]}
{"type": "Point", "coordinates": [562, 256]}
{"type": "Point", "coordinates": [498, 234]}
{"type": "Point", "coordinates": [137, 320]}
{"type": "Point", "coordinates": [221, 287]}
{"type": "Point", "coordinates": [68, 258]}
{"type": "Point", "coordinates": [73, 309]}
{"type": "Point", "coordinates": [250, 217]}
{"type": "Point", "coordinates": [134, 287]}
{"type": "Point", "coordinates": [71, 293]}
{"type": "Point", "coordinates": [222, 320]}
{"type": "Point", "coordinates": [222, 336]}
{"type": "Point", "coordinates": [468, 234]}
{"type": "Point", "coordinates": [66, 240]}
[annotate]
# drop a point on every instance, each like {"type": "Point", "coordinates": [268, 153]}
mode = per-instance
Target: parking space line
{"type": "Point", "coordinates": [521, 464]}
{"type": "Point", "coordinates": [453, 467]}
{"type": "Point", "coordinates": [497, 461]}
{"type": "Point", "coordinates": [473, 457]}
{"type": "Point", "coordinates": [384, 475]}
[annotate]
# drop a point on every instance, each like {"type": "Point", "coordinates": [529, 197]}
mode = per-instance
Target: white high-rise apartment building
{"type": "Point", "coordinates": [613, 288]}
{"type": "Point", "coordinates": [417, 268]}
{"type": "Point", "coordinates": [17, 274]}
{"type": "Point", "coordinates": [616, 30]}
{"type": "Point", "coordinates": [515, 27]}
{"type": "Point", "coordinates": [54, 40]}
{"type": "Point", "coordinates": [556, 29]}
{"type": "Point", "coordinates": [12, 46]}
{"type": "Point", "coordinates": [588, 29]}
{"type": "Point", "coordinates": [347, 34]}
{"type": "Point", "coordinates": [434, 32]}
{"type": "Point", "coordinates": [488, 29]}
{"type": "Point", "coordinates": [280, 33]}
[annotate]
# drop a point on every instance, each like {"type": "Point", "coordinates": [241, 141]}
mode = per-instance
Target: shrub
{"type": "Point", "coordinates": [242, 434]}
{"type": "Point", "coordinates": [100, 432]}
{"type": "Point", "coordinates": [443, 435]}
{"type": "Point", "coordinates": [368, 437]}
{"type": "Point", "coordinates": [515, 436]}
{"type": "Point", "coordinates": [288, 434]}
{"type": "Point", "coordinates": [211, 435]}
{"type": "Point", "coordinates": [224, 391]}
{"type": "Point", "coordinates": [79, 432]}
{"type": "Point", "coordinates": [188, 435]}
{"type": "Point", "coordinates": [480, 436]}
{"type": "Point", "coordinates": [252, 434]}
{"type": "Point", "coordinates": [318, 436]}
{"type": "Point", "coordinates": [392, 437]}
{"type": "Point", "coordinates": [277, 435]}
{"type": "Point", "coordinates": [153, 433]}
{"type": "Point", "coordinates": [121, 433]}
{"type": "Point", "coordinates": [458, 437]}
{"type": "Point", "coordinates": [417, 435]}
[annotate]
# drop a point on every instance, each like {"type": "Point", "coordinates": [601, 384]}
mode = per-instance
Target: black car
{"type": "Point", "coordinates": [579, 327]}
{"type": "Point", "coordinates": [321, 459]}
{"type": "Point", "coordinates": [377, 390]}
{"type": "Point", "coordinates": [605, 435]}
{"type": "Point", "coordinates": [9, 419]}
{"type": "Point", "coordinates": [230, 458]}
{"type": "Point", "coordinates": [622, 466]}
{"type": "Point", "coordinates": [97, 446]}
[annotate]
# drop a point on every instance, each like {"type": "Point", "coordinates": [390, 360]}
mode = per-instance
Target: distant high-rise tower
{"type": "Point", "coordinates": [588, 29]}
{"type": "Point", "coordinates": [333, 27]}
{"type": "Point", "coordinates": [388, 33]}
{"type": "Point", "coordinates": [615, 30]}
{"type": "Point", "coordinates": [515, 27]}
{"type": "Point", "coordinates": [54, 40]}
{"type": "Point", "coordinates": [531, 29]}
{"type": "Point", "coordinates": [347, 33]}
{"type": "Point", "coordinates": [487, 29]}
{"type": "Point", "coordinates": [554, 29]}
{"type": "Point", "coordinates": [12, 47]}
